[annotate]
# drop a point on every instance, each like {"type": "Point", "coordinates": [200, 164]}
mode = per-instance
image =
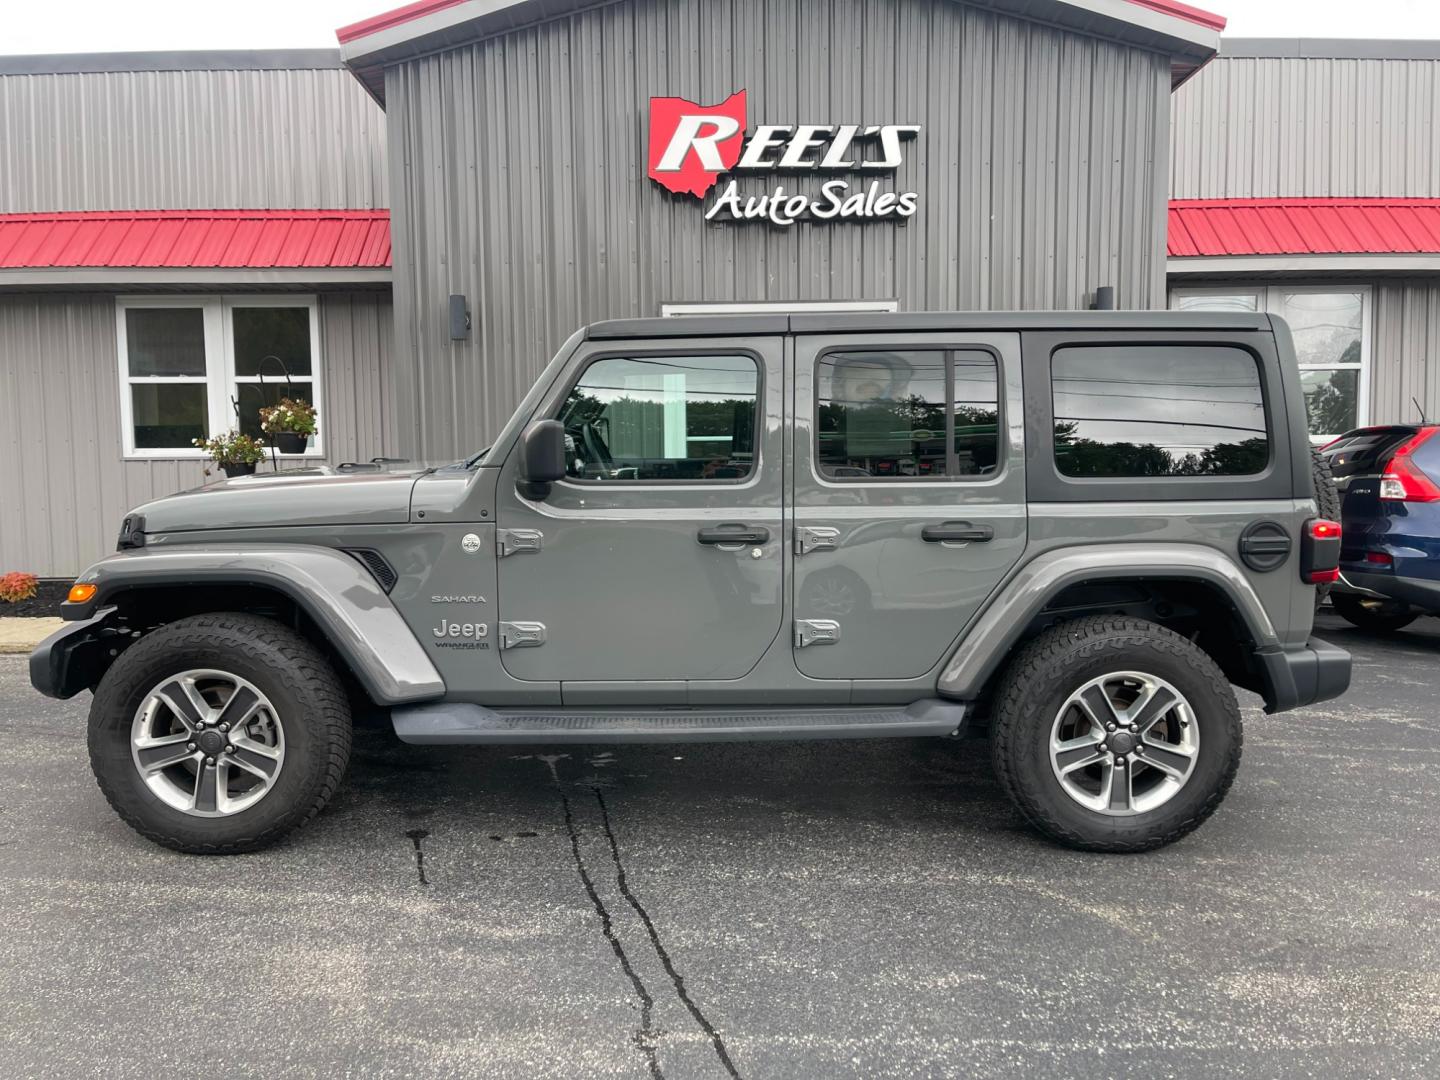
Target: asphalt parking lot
{"type": "Point", "coordinates": [782, 910]}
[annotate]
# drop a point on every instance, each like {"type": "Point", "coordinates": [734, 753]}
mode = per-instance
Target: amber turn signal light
{"type": "Point", "coordinates": [80, 592]}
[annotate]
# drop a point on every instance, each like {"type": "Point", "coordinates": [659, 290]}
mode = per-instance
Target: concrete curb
{"type": "Point", "coordinates": [22, 635]}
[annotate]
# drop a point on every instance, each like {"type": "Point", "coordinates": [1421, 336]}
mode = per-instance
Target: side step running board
{"type": "Point", "coordinates": [463, 724]}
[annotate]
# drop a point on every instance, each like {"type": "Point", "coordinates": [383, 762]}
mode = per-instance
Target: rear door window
{"type": "Point", "coordinates": [907, 414]}
{"type": "Point", "coordinates": [1158, 411]}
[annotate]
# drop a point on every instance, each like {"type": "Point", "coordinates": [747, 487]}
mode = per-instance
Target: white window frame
{"type": "Point", "coordinates": [1267, 297]}
{"type": "Point", "coordinates": [220, 379]}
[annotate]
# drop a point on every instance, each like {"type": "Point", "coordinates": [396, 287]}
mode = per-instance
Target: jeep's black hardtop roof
{"type": "Point", "coordinates": [896, 322]}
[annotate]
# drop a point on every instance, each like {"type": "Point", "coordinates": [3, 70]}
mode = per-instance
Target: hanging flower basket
{"type": "Point", "coordinates": [289, 424]}
{"type": "Point", "coordinates": [237, 454]}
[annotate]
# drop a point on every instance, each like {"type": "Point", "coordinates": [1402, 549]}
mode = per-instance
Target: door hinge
{"type": "Point", "coordinates": [517, 541]}
{"type": "Point", "coordinates": [521, 635]}
{"type": "Point", "coordinates": [816, 632]}
{"type": "Point", "coordinates": [810, 538]}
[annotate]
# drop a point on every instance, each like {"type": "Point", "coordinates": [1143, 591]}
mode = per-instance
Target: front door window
{"type": "Point", "coordinates": [663, 418]}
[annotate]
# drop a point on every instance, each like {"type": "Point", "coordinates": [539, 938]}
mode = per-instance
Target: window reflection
{"type": "Point", "coordinates": [1158, 411]}
{"type": "Point", "coordinates": [898, 414]}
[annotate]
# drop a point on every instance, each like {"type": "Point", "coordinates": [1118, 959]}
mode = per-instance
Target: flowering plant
{"type": "Point", "coordinates": [16, 586]}
{"type": "Point", "coordinates": [292, 415]}
{"type": "Point", "coordinates": [233, 448]}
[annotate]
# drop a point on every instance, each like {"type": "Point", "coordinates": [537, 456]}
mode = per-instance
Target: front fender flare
{"type": "Point", "coordinates": [985, 646]}
{"type": "Point", "coordinates": [333, 589]}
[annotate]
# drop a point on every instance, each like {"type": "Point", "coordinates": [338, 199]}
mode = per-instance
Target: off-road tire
{"type": "Point", "coordinates": [1040, 679]}
{"type": "Point", "coordinates": [1327, 499]}
{"type": "Point", "coordinates": [1378, 616]}
{"type": "Point", "coordinates": [289, 670]}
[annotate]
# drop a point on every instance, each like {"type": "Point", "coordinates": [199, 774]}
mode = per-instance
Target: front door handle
{"type": "Point", "coordinates": [734, 534]}
{"type": "Point", "coordinates": [957, 532]}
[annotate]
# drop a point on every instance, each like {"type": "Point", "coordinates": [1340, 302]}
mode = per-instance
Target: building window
{"type": "Point", "coordinates": [1331, 326]}
{"type": "Point", "coordinates": [663, 418]}
{"type": "Point", "coordinates": [191, 367]}
{"type": "Point", "coordinates": [1151, 410]}
{"type": "Point", "coordinates": [906, 414]}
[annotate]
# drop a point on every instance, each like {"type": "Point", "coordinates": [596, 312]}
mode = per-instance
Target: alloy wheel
{"type": "Point", "coordinates": [1124, 743]}
{"type": "Point", "coordinates": [207, 743]}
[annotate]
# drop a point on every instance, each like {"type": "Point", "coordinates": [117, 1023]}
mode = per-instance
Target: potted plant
{"type": "Point", "coordinates": [290, 423]}
{"type": "Point", "coordinates": [236, 453]}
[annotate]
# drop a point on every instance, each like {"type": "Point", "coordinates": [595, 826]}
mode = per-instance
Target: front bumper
{"type": "Point", "coordinates": [1315, 671]}
{"type": "Point", "coordinates": [74, 657]}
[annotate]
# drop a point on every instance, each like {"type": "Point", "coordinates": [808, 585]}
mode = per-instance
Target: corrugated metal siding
{"type": "Point", "coordinates": [64, 484]}
{"type": "Point", "coordinates": [1407, 350]}
{"type": "Point", "coordinates": [204, 140]}
{"type": "Point", "coordinates": [1293, 127]}
{"type": "Point", "coordinates": [518, 178]}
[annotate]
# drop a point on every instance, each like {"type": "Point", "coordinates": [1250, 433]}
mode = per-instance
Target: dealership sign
{"type": "Point", "coordinates": [692, 146]}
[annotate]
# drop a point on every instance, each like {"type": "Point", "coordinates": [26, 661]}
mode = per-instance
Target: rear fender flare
{"type": "Point", "coordinates": [333, 589]}
{"type": "Point", "coordinates": [984, 648]}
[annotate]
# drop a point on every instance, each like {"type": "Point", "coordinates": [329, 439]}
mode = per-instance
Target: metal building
{"type": "Point", "coordinates": [419, 219]}
{"type": "Point", "coordinates": [521, 134]}
{"type": "Point", "coordinates": [1306, 180]}
{"type": "Point", "coordinates": [203, 194]}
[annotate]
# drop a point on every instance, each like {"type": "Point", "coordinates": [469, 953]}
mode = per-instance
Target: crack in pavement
{"type": "Point", "coordinates": [646, 1035]}
{"type": "Point", "coordinates": [675, 977]}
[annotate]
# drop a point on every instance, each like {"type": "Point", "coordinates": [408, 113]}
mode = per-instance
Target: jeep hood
{"type": "Point", "coordinates": [292, 497]}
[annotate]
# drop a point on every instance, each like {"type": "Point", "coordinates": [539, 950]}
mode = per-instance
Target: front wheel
{"type": "Point", "coordinates": [1115, 734]}
{"type": "Point", "coordinates": [1373, 613]}
{"type": "Point", "coordinates": [219, 733]}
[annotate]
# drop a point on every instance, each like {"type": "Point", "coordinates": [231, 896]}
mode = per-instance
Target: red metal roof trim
{"type": "Point", "coordinates": [1220, 227]}
{"type": "Point", "coordinates": [238, 239]}
{"type": "Point", "coordinates": [1207, 19]}
{"type": "Point", "coordinates": [387, 19]}
{"type": "Point", "coordinates": [421, 8]}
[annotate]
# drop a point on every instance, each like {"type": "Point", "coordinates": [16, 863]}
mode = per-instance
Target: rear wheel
{"type": "Point", "coordinates": [219, 733]}
{"type": "Point", "coordinates": [1374, 613]}
{"type": "Point", "coordinates": [1115, 734]}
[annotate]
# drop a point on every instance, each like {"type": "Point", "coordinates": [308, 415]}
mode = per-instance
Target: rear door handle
{"type": "Point", "coordinates": [734, 534]}
{"type": "Point", "coordinates": [957, 532]}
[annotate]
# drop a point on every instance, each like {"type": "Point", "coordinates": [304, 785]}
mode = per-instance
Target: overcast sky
{"type": "Point", "coordinates": [108, 26]}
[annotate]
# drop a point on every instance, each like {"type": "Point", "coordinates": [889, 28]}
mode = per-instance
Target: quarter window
{"type": "Point", "coordinates": [906, 414]}
{"type": "Point", "coordinates": [194, 366]}
{"type": "Point", "coordinates": [1140, 411]}
{"type": "Point", "coordinates": [663, 418]}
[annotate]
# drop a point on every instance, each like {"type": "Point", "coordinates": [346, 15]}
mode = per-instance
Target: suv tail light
{"type": "Point", "coordinates": [1404, 481]}
{"type": "Point", "coordinates": [1320, 552]}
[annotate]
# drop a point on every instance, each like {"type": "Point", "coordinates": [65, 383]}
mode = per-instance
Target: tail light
{"type": "Point", "coordinates": [1379, 558]}
{"type": "Point", "coordinates": [1404, 481]}
{"type": "Point", "coordinates": [1320, 552]}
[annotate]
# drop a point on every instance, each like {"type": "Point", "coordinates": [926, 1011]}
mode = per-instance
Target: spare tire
{"type": "Point", "coordinates": [1327, 499]}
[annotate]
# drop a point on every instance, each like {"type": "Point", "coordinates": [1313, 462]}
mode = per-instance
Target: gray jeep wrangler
{"type": "Point", "coordinates": [1070, 531]}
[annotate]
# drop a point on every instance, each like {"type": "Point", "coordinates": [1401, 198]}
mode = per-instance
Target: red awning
{"type": "Point", "coordinates": [213, 239]}
{"type": "Point", "coordinates": [1202, 228]}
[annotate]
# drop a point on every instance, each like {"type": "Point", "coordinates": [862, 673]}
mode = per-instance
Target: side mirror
{"type": "Point", "coordinates": [542, 458]}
